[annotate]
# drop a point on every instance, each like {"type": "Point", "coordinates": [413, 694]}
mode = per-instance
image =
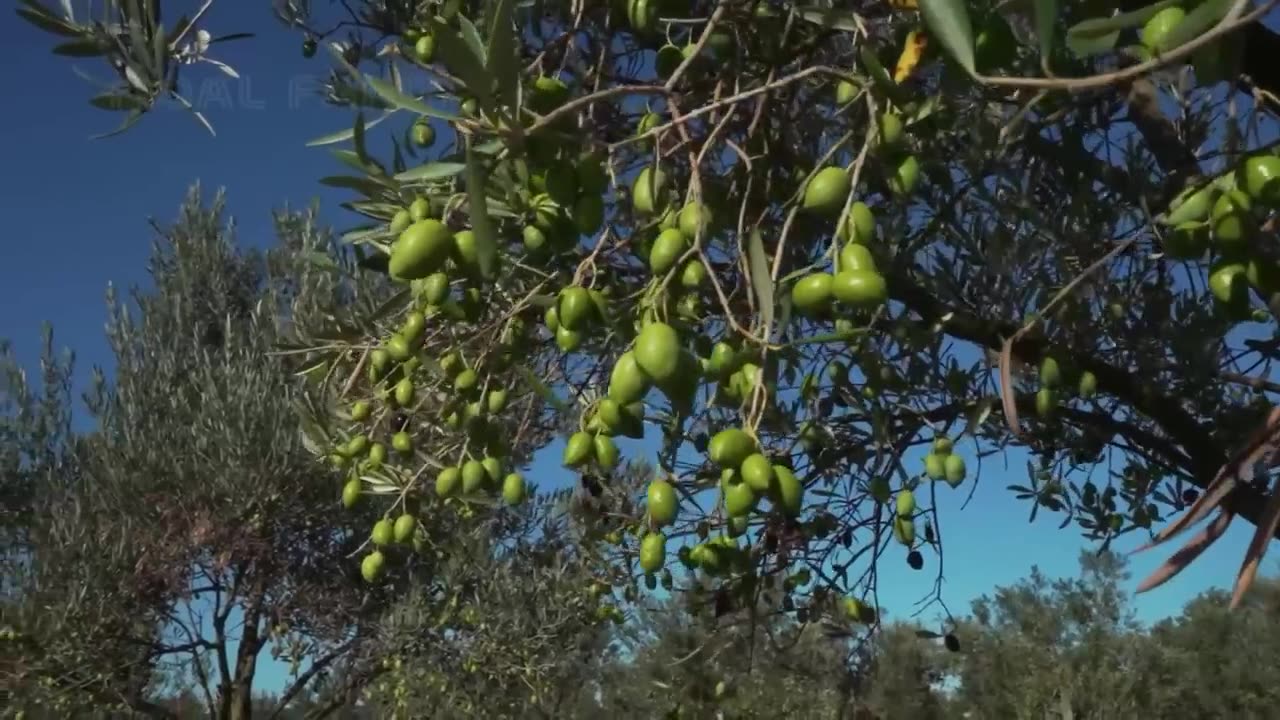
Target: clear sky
{"type": "Point", "coordinates": [74, 219]}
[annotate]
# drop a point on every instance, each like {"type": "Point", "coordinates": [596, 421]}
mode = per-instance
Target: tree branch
{"type": "Point", "coordinates": [316, 668]}
{"type": "Point", "coordinates": [1173, 157]}
{"type": "Point", "coordinates": [1204, 457]}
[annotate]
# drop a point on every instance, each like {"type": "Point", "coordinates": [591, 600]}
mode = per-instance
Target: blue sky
{"type": "Point", "coordinates": [75, 220]}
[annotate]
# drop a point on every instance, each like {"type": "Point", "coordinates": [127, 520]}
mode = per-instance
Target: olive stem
{"type": "Point", "coordinates": [1228, 25]}
{"type": "Point", "coordinates": [697, 48]}
{"type": "Point", "coordinates": [732, 99]}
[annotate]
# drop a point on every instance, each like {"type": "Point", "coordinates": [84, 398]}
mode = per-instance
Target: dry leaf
{"type": "Point", "coordinates": [912, 50]}
{"type": "Point", "coordinates": [1007, 396]}
{"type": "Point", "coordinates": [1257, 548]}
{"type": "Point", "coordinates": [1187, 553]}
{"type": "Point", "coordinates": [1260, 449]}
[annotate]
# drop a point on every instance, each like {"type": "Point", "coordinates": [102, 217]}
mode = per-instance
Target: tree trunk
{"type": "Point", "coordinates": [240, 706]}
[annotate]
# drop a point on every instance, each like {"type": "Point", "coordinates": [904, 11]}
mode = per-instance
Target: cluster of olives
{"type": "Point", "coordinates": [1222, 217]}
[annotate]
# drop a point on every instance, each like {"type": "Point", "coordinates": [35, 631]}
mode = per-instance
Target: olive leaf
{"type": "Point", "coordinates": [432, 171]}
{"type": "Point", "coordinates": [545, 392]}
{"type": "Point", "coordinates": [761, 281]}
{"type": "Point", "coordinates": [880, 75]}
{"type": "Point", "coordinates": [463, 59]}
{"type": "Point", "coordinates": [395, 98]}
{"type": "Point", "coordinates": [393, 305]}
{"type": "Point", "coordinates": [312, 436]}
{"type": "Point", "coordinates": [978, 415]}
{"type": "Point", "coordinates": [829, 18]}
{"type": "Point", "coordinates": [346, 134]}
{"type": "Point", "coordinates": [1196, 23]}
{"type": "Point", "coordinates": [80, 48]}
{"type": "Point", "coordinates": [948, 21]}
{"type": "Point", "coordinates": [1046, 16]}
{"type": "Point", "coordinates": [353, 159]}
{"type": "Point", "coordinates": [320, 260]}
{"type": "Point", "coordinates": [1098, 29]}
{"type": "Point", "coordinates": [374, 210]}
{"type": "Point", "coordinates": [1083, 46]}
{"type": "Point", "coordinates": [364, 234]}
{"type": "Point", "coordinates": [43, 18]}
{"type": "Point", "coordinates": [491, 147]}
{"type": "Point", "coordinates": [481, 226]}
{"type": "Point", "coordinates": [132, 119]}
{"type": "Point", "coordinates": [503, 53]}
{"type": "Point", "coordinates": [471, 36]}
{"type": "Point", "coordinates": [364, 185]}
{"type": "Point", "coordinates": [357, 138]}
{"type": "Point", "coordinates": [118, 100]}
{"type": "Point", "coordinates": [398, 162]}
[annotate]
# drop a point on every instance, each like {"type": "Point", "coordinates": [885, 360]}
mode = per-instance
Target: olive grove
{"type": "Point", "coordinates": [773, 290]}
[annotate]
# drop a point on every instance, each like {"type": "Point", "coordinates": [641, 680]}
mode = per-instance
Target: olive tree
{"type": "Point", "coordinates": [184, 533]}
{"type": "Point", "coordinates": [822, 271]}
{"type": "Point", "coordinates": [188, 533]}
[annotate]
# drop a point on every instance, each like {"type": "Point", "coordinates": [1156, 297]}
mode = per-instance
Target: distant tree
{"type": "Point", "coordinates": [1211, 662]}
{"type": "Point", "coordinates": [186, 529]}
{"type": "Point", "coordinates": [1044, 646]}
{"type": "Point", "coordinates": [193, 508]}
{"type": "Point", "coordinates": [681, 658]}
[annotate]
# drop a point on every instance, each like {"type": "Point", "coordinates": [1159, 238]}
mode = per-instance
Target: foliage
{"type": "Point", "coordinates": [192, 509]}
{"type": "Point", "coordinates": [1040, 648]}
{"type": "Point", "coordinates": [146, 59]}
{"type": "Point", "coordinates": [1071, 647]}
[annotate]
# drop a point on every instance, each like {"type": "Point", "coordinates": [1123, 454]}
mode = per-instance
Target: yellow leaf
{"type": "Point", "coordinates": [903, 4]}
{"type": "Point", "coordinates": [912, 50]}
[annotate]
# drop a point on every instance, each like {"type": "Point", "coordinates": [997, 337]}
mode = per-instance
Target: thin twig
{"type": "Point", "coordinates": [1097, 81]}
